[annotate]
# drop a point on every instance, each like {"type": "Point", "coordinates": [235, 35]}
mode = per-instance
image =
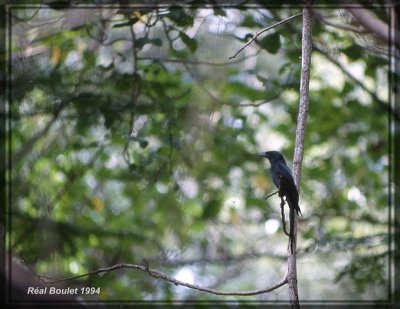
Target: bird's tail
{"type": "Point", "coordinates": [293, 210]}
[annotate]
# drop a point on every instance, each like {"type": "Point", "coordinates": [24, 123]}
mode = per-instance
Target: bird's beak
{"type": "Point", "coordinates": [263, 154]}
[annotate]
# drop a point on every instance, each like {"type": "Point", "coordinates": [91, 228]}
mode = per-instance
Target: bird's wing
{"type": "Point", "coordinates": [288, 187]}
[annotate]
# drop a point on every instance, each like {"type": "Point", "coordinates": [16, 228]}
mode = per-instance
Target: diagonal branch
{"type": "Point", "coordinates": [371, 22]}
{"type": "Point", "coordinates": [342, 26]}
{"type": "Point", "coordinates": [271, 194]}
{"type": "Point", "coordinates": [264, 30]}
{"type": "Point", "coordinates": [385, 106]}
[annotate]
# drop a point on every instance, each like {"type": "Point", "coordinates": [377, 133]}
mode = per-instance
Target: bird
{"type": "Point", "coordinates": [283, 180]}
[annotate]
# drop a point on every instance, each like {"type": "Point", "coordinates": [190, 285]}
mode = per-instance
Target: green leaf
{"type": "Point", "coordinates": [263, 79]}
{"type": "Point", "coordinates": [271, 43]}
{"type": "Point", "coordinates": [143, 143]}
{"type": "Point", "coordinates": [178, 15]}
{"type": "Point", "coordinates": [249, 22]}
{"type": "Point", "coordinates": [239, 89]}
{"type": "Point", "coordinates": [354, 52]}
{"type": "Point", "coordinates": [143, 41]}
{"type": "Point", "coordinates": [191, 43]}
{"type": "Point", "coordinates": [212, 208]}
{"type": "Point", "coordinates": [89, 58]}
{"type": "Point", "coordinates": [156, 42]}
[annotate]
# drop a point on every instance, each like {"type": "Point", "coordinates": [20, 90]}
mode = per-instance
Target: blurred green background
{"type": "Point", "coordinates": [133, 136]}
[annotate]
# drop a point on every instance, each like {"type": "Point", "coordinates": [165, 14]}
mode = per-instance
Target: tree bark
{"type": "Point", "coordinates": [299, 145]}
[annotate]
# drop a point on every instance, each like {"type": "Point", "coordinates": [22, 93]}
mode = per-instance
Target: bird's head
{"type": "Point", "coordinates": [272, 156]}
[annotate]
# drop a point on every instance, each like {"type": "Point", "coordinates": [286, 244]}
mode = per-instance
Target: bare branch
{"type": "Point", "coordinates": [270, 99]}
{"type": "Point", "coordinates": [197, 62]}
{"type": "Point", "coordinates": [225, 258]}
{"type": "Point", "coordinates": [264, 30]}
{"type": "Point", "coordinates": [160, 275]}
{"type": "Point", "coordinates": [328, 22]}
{"type": "Point", "coordinates": [271, 194]}
{"type": "Point", "coordinates": [376, 26]}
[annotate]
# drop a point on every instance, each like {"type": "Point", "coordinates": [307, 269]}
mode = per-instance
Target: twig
{"type": "Point", "coordinates": [273, 97]}
{"type": "Point", "coordinates": [283, 216]}
{"type": "Point", "coordinates": [226, 258]}
{"type": "Point", "coordinates": [282, 207]}
{"type": "Point", "coordinates": [271, 194]}
{"type": "Point", "coordinates": [291, 218]}
{"type": "Point", "coordinates": [270, 99]}
{"type": "Point", "coordinates": [197, 62]}
{"type": "Point", "coordinates": [264, 30]}
{"type": "Point", "coordinates": [31, 269]}
{"type": "Point", "coordinates": [160, 275]}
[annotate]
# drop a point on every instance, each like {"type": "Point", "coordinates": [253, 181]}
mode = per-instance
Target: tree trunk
{"type": "Point", "coordinates": [299, 145]}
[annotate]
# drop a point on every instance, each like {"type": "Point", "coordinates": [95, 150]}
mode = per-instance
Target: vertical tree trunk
{"type": "Point", "coordinates": [299, 145]}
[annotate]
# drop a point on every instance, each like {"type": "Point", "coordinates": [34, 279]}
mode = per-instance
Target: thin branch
{"type": "Point", "coordinates": [270, 99]}
{"type": "Point", "coordinates": [283, 216]}
{"type": "Point", "coordinates": [224, 259]}
{"type": "Point", "coordinates": [28, 19]}
{"type": "Point", "coordinates": [371, 22]}
{"type": "Point", "coordinates": [282, 209]}
{"type": "Point", "coordinates": [317, 47]}
{"type": "Point", "coordinates": [264, 30]}
{"type": "Point", "coordinates": [334, 60]}
{"type": "Point", "coordinates": [197, 62]}
{"type": "Point", "coordinates": [328, 22]}
{"type": "Point", "coordinates": [271, 194]}
{"type": "Point", "coordinates": [160, 275]}
{"type": "Point", "coordinates": [273, 97]}
{"type": "Point", "coordinates": [188, 69]}
{"type": "Point", "coordinates": [39, 277]}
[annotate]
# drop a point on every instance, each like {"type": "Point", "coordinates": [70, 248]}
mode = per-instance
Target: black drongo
{"type": "Point", "coordinates": [283, 180]}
